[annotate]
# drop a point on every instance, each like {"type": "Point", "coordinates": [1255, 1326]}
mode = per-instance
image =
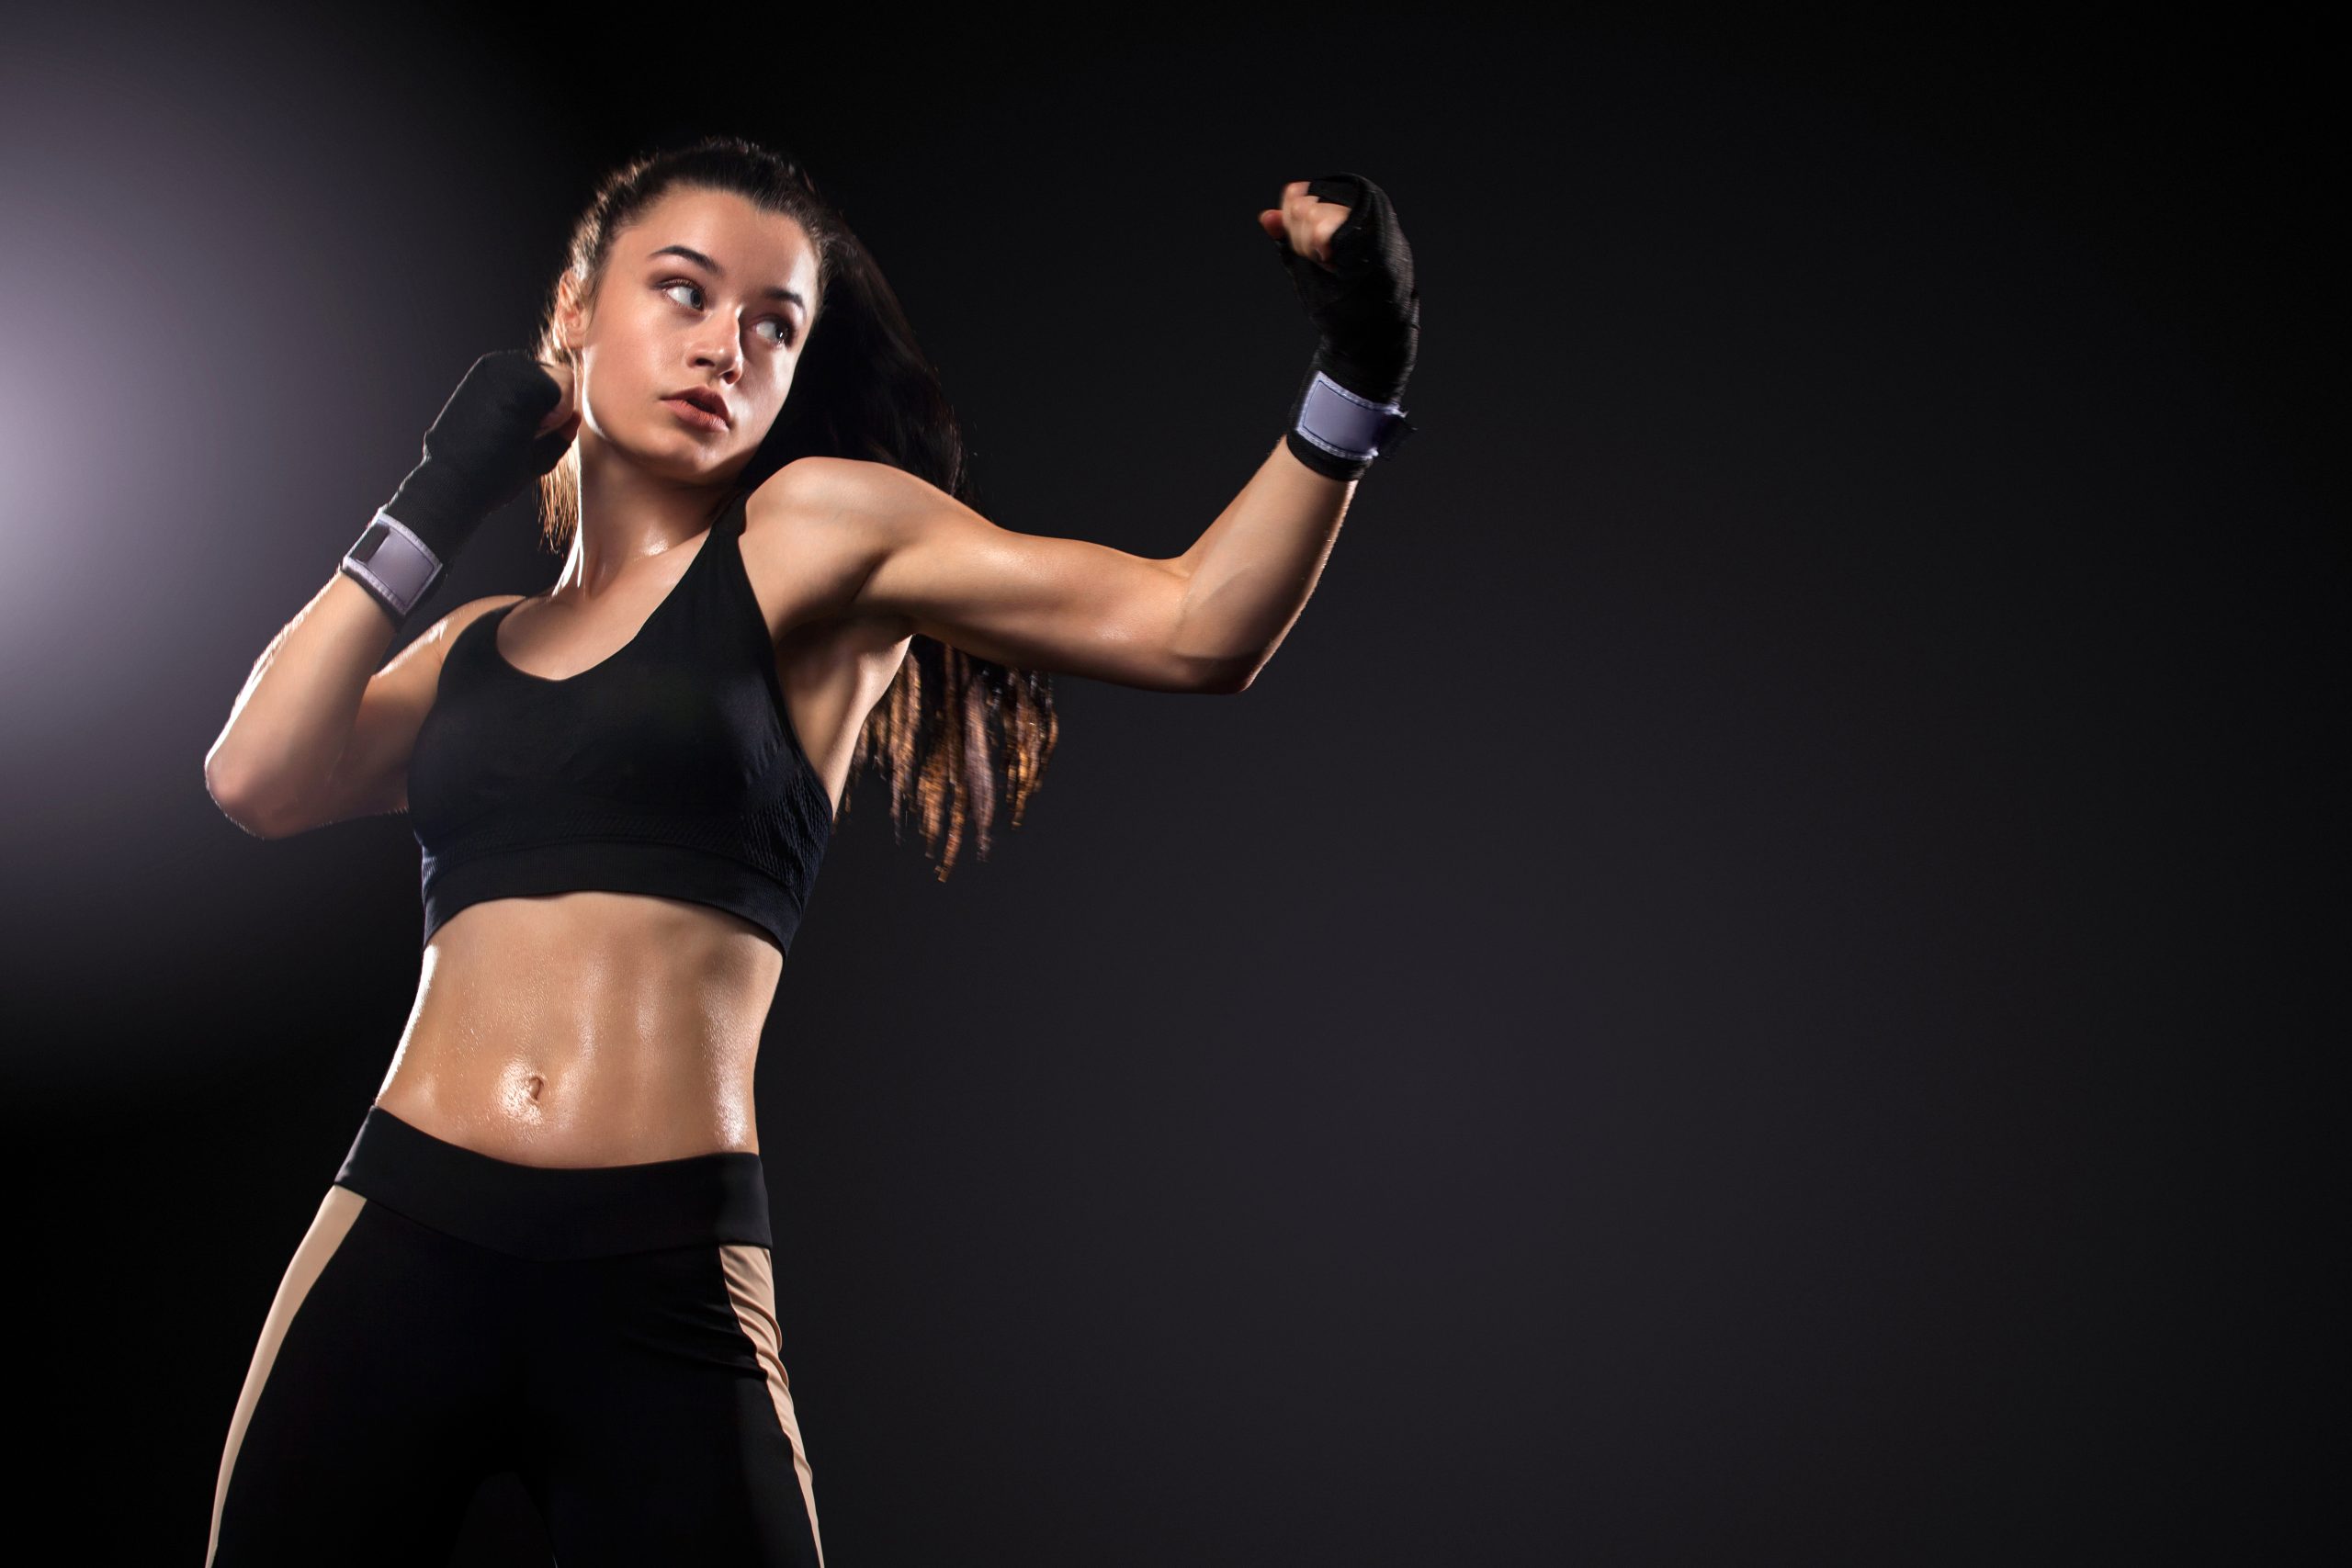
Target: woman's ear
{"type": "Point", "coordinates": [571, 317]}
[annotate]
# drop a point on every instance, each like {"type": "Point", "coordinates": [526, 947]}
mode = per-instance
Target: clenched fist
{"type": "Point", "coordinates": [1346, 254]}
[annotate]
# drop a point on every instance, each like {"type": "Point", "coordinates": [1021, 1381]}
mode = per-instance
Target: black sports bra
{"type": "Point", "coordinates": [671, 768]}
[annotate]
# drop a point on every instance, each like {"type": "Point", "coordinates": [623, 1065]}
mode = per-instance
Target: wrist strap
{"type": "Point", "coordinates": [1339, 432]}
{"type": "Point", "coordinates": [394, 564]}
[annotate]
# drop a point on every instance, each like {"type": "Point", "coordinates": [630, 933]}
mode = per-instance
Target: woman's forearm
{"type": "Point", "coordinates": [1250, 574]}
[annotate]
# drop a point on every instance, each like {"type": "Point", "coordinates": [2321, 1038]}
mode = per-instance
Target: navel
{"type": "Point", "coordinates": [520, 1091]}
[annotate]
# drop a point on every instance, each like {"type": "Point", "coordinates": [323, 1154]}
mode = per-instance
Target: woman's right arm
{"type": "Point", "coordinates": [320, 734]}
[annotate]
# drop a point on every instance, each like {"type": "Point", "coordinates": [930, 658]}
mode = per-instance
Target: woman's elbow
{"type": "Point", "coordinates": [235, 806]}
{"type": "Point", "coordinates": [1225, 678]}
{"type": "Point", "coordinates": [245, 806]}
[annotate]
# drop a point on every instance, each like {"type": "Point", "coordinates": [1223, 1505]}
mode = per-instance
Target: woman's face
{"type": "Point", "coordinates": [703, 292]}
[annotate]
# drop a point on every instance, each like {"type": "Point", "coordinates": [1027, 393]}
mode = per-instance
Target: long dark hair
{"type": "Point", "coordinates": [954, 735]}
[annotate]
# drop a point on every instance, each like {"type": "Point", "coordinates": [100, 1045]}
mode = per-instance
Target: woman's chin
{"type": "Point", "coordinates": [680, 458]}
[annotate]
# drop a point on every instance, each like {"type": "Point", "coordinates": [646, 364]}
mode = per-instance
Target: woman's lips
{"type": "Point", "coordinates": [699, 417]}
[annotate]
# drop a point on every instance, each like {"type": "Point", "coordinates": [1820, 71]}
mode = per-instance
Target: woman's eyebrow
{"type": "Point", "coordinates": [772, 291]}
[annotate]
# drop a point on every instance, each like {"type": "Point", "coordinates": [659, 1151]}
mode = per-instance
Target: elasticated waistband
{"type": "Point", "coordinates": [557, 1212]}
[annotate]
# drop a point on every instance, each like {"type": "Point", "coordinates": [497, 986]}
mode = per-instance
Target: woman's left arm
{"type": "Point", "coordinates": [1209, 619]}
{"type": "Point", "coordinates": [1204, 621]}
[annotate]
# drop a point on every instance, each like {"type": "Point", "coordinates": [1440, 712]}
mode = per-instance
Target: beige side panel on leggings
{"type": "Point", "coordinates": [750, 1283]}
{"type": "Point", "coordinates": [335, 1215]}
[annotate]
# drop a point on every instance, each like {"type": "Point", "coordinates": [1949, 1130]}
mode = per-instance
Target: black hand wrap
{"type": "Point", "coordinates": [480, 453]}
{"type": "Point", "coordinates": [1367, 307]}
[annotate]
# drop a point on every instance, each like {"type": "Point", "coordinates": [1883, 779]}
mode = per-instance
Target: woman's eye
{"type": "Point", "coordinates": [783, 327]}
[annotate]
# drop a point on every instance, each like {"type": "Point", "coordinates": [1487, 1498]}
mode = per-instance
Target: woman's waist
{"type": "Point", "coordinates": [512, 1106]}
{"type": "Point", "coordinates": [514, 1102]}
{"type": "Point", "coordinates": [587, 1052]}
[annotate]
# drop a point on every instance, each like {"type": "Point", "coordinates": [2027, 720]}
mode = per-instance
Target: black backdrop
{"type": "Point", "coordinates": [1734, 993]}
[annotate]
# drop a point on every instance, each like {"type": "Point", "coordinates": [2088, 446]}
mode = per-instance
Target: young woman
{"type": "Point", "coordinates": [547, 1249]}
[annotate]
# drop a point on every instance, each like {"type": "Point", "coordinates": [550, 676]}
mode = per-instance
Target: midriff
{"type": "Point", "coordinates": [586, 1029]}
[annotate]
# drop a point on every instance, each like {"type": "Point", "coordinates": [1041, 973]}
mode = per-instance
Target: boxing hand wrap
{"type": "Point", "coordinates": [480, 453]}
{"type": "Point", "coordinates": [1367, 307]}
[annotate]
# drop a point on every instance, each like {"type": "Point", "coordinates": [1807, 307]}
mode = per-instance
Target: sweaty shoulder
{"type": "Point", "coordinates": [443, 632]}
{"type": "Point", "coordinates": [815, 529]}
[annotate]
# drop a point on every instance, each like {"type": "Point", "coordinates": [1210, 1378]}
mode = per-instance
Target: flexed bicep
{"type": "Point", "coordinates": [1028, 601]}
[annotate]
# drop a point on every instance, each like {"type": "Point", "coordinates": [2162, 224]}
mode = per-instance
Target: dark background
{"type": "Point", "coordinates": [1738, 992]}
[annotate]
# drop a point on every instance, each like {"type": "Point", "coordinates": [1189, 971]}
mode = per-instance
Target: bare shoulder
{"type": "Point", "coordinates": [879, 502]}
{"type": "Point", "coordinates": [472, 609]}
{"type": "Point", "coordinates": [434, 645]}
{"type": "Point", "coordinates": [815, 530]}
{"type": "Point", "coordinates": [843, 483]}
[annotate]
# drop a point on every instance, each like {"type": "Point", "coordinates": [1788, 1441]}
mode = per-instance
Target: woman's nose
{"type": "Point", "coordinates": [722, 352]}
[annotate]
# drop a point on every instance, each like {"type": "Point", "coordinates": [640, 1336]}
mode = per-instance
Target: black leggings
{"type": "Point", "coordinates": [608, 1333]}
